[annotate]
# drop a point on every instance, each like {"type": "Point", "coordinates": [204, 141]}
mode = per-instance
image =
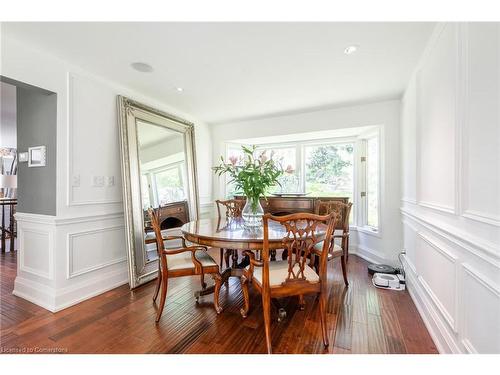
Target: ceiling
{"type": "Point", "coordinates": [237, 71]}
{"type": "Point", "coordinates": [150, 134]}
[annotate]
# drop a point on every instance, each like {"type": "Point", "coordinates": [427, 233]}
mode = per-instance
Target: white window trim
{"type": "Point", "coordinates": [362, 225]}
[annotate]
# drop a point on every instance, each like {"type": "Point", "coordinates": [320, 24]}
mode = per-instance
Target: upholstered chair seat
{"type": "Point", "coordinates": [184, 261]}
{"type": "Point", "coordinates": [278, 273]}
{"type": "Point", "coordinates": [334, 253]}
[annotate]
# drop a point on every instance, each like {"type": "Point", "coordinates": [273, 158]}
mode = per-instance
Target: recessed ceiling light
{"type": "Point", "coordinates": [180, 89]}
{"type": "Point", "coordinates": [142, 67]}
{"type": "Point", "coordinates": [350, 50]}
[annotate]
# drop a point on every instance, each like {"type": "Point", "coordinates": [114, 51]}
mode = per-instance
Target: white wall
{"type": "Point", "coordinates": [81, 251]}
{"type": "Point", "coordinates": [450, 204]}
{"type": "Point", "coordinates": [382, 247]}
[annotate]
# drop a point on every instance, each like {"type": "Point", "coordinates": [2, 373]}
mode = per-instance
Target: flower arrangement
{"type": "Point", "coordinates": [254, 175]}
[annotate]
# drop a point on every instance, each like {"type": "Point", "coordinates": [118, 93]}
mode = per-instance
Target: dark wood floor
{"type": "Point", "coordinates": [361, 319]}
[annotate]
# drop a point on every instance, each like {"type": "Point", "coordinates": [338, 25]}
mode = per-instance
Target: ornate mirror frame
{"type": "Point", "coordinates": [129, 111]}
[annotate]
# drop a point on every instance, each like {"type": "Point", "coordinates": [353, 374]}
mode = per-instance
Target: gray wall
{"type": "Point", "coordinates": [37, 126]}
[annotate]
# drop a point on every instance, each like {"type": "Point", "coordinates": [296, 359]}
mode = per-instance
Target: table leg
{"type": "Point", "coordinates": [11, 227]}
{"type": "Point", "coordinates": [3, 229]}
{"type": "Point", "coordinates": [234, 257]}
{"type": "Point", "coordinates": [273, 255]}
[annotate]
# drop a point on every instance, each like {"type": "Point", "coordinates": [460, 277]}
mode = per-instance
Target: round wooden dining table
{"type": "Point", "coordinates": [232, 234]}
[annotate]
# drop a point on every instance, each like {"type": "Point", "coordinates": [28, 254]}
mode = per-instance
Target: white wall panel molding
{"type": "Point", "coordinates": [444, 338]}
{"type": "Point", "coordinates": [115, 235]}
{"type": "Point", "coordinates": [480, 312]}
{"type": "Point", "coordinates": [436, 82]}
{"type": "Point", "coordinates": [36, 251]}
{"type": "Point", "coordinates": [92, 148]}
{"type": "Point", "coordinates": [409, 200]}
{"type": "Point", "coordinates": [481, 122]}
{"type": "Point", "coordinates": [438, 291]}
{"type": "Point", "coordinates": [35, 218]}
{"type": "Point", "coordinates": [60, 221]}
{"type": "Point", "coordinates": [484, 250]}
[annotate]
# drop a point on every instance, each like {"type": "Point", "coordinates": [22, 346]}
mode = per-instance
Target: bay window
{"type": "Point", "coordinates": [338, 167]}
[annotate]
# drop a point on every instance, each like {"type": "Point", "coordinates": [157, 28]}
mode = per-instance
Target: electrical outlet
{"type": "Point", "coordinates": [97, 181]}
{"type": "Point", "coordinates": [110, 181]}
{"type": "Point", "coordinates": [76, 180]}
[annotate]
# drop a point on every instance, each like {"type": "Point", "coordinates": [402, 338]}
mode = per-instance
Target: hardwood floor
{"type": "Point", "coordinates": [361, 319]}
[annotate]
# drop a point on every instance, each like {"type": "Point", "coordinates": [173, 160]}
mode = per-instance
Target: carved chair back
{"type": "Point", "coordinates": [340, 208]}
{"type": "Point", "coordinates": [303, 231]}
{"type": "Point", "coordinates": [154, 216]}
{"type": "Point", "coordinates": [232, 207]}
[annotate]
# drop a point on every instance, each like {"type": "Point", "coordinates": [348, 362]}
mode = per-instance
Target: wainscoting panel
{"type": "Point", "coordinates": [437, 270]}
{"type": "Point", "coordinates": [481, 312]}
{"type": "Point", "coordinates": [82, 257]}
{"type": "Point", "coordinates": [36, 252]}
{"type": "Point", "coordinates": [455, 286]}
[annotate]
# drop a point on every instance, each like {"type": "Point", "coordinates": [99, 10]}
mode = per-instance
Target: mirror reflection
{"type": "Point", "coordinates": [162, 163]}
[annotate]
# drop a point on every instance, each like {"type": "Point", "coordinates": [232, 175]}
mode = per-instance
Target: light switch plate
{"type": "Point", "coordinates": [23, 157]}
{"type": "Point", "coordinates": [97, 181]}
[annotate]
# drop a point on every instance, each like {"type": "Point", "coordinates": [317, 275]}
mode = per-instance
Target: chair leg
{"type": "Point", "coordinates": [347, 249]}
{"type": "Point", "coordinates": [266, 306]}
{"type": "Point", "coordinates": [344, 271]}
{"type": "Point", "coordinates": [301, 302]}
{"type": "Point", "coordinates": [246, 296]}
{"type": "Point", "coordinates": [221, 257]}
{"type": "Point", "coordinates": [226, 257]}
{"type": "Point", "coordinates": [158, 284]}
{"type": "Point", "coordinates": [164, 286]}
{"type": "Point", "coordinates": [218, 283]}
{"type": "Point", "coordinates": [322, 312]}
{"type": "Point", "coordinates": [202, 279]}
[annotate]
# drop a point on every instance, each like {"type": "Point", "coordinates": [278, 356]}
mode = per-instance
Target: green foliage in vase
{"type": "Point", "coordinates": [253, 174]}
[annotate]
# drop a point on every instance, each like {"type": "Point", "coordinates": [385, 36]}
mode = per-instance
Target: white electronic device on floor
{"type": "Point", "coordinates": [388, 281]}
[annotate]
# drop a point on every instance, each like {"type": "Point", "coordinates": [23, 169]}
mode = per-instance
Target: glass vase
{"type": "Point", "coordinates": [252, 213]}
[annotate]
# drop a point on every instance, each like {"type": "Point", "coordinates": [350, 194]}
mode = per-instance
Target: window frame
{"type": "Point", "coordinates": [362, 224]}
{"type": "Point", "coordinates": [151, 177]}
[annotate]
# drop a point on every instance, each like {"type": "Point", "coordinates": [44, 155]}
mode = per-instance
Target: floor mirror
{"type": "Point", "coordinates": [159, 171]}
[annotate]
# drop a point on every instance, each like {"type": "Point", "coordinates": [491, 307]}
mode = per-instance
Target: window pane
{"type": "Point", "coordinates": [286, 157]}
{"type": "Point", "coordinates": [372, 173]}
{"type": "Point", "coordinates": [169, 186]}
{"type": "Point", "coordinates": [233, 153]}
{"type": "Point", "coordinates": [330, 170]}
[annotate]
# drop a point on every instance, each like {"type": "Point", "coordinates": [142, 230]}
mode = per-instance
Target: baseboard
{"type": "Point", "coordinates": [446, 342]}
{"type": "Point", "coordinates": [52, 300]}
{"type": "Point", "coordinates": [80, 292]}
{"type": "Point", "coordinates": [367, 254]}
{"type": "Point", "coordinates": [34, 292]}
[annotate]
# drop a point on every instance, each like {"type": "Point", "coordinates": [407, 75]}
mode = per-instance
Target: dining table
{"type": "Point", "coordinates": [232, 233]}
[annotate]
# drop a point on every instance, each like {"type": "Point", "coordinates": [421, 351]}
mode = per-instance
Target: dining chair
{"type": "Point", "coordinates": [343, 210]}
{"type": "Point", "coordinates": [232, 209]}
{"type": "Point", "coordinates": [183, 261]}
{"type": "Point", "coordinates": [294, 276]}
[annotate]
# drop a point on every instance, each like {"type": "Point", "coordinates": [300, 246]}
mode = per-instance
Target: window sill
{"type": "Point", "coordinates": [368, 230]}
